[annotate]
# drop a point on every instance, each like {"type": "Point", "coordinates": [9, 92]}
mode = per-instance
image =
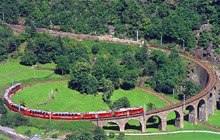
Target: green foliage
{"type": "Point", "coordinates": [14, 120]}
{"type": "Point", "coordinates": [130, 79]}
{"type": "Point", "coordinates": [175, 21]}
{"type": "Point", "coordinates": [121, 103]}
{"type": "Point", "coordinates": [141, 54]}
{"type": "Point", "coordinates": [29, 59]}
{"type": "Point", "coordinates": [129, 61]}
{"type": "Point", "coordinates": [82, 80]}
{"type": "Point", "coordinates": [149, 68]}
{"type": "Point", "coordinates": [99, 134]}
{"type": "Point", "coordinates": [28, 133]}
{"type": "Point", "coordinates": [151, 106]}
{"type": "Point", "coordinates": [54, 136]}
{"type": "Point", "coordinates": [63, 64]}
{"type": "Point", "coordinates": [107, 89]}
{"type": "Point", "coordinates": [111, 135]}
{"type": "Point", "coordinates": [120, 136]}
{"type": "Point", "coordinates": [8, 42]}
{"type": "Point", "coordinates": [96, 134]}
{"type": "Point", "coordinates": [3, 109]}
{"type": "Point", "coordinates": [95, 49]}
{"type": "Point", "coordinates": [190, 89]}
{"type": "Point", "coordinates": [205, 39]}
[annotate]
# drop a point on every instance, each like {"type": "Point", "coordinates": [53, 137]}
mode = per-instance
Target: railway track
{"type": "Point", "coordinates": [212, 79]}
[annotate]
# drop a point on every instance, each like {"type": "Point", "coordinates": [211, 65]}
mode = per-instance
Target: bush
{"type": "Point", "coordinates": [111, 135]}
{"type": "Point", "coordinates": [121, 103]}
{"type": "Point", "coordinates": [95, 49]}
{"type": "Point", "coordinates": [120, 136]}
{"type": "Point", "coordinates": [28, 133]}
{"type": "Point", "coordinates": [54, 136]}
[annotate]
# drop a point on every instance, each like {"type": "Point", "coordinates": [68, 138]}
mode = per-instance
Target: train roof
{"type": "Point", "coordinates": [130, 108]}
{"type": "Point", "coordinates": [8, 99]}
{"type": "Point", "coordinates": [17, 84]}
{"type": "Point", "coordinates": [67, 112]}
{"type": "Point", "coordinates": [6, 93]}
{"type": "Point", "coordinates": [98, 112]}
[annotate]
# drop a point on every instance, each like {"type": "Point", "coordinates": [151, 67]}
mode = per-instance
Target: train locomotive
{"type": "Point", "coordinates": [64, 115]}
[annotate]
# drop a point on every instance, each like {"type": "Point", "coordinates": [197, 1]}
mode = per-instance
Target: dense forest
{"type": "Point", "coordinates": [173, 20]}
{"type": "Point", "coordinates": [99, 66]}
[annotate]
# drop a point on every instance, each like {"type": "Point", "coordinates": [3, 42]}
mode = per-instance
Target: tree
{"type": "Point", "coordinates": [150, 68]}
{"type": "Point", "coordinates": [190, 42]}
{"type": "Point", "coordinates": [99, 134]}
{"type": "Point", "coordinates": [114, 74]}
{"type": "Point", "coordinates": [141, 54]}
{"type": "Point", "coordinates": [121, 103]}
{"type": "Point", "coordinates": [78, 71]}
{"type": "Point", "coordinates": [3, 109]}
{"type": "Point", "coordinates": [29, 59]}
{"type": "Point", "coordinates": [82, 80]}
{"type": "Point", "coordinates": [130, 79]}
{"type": "Point", "coordinates": [90, 85]}
{"type": "Point", "coordinates": [63, 64]}
{"type": "Point", "coordinates": [151, 106]}
{"type": "Point", "coordinates": [120, 136]}
{"type": "Point", "coordinates": [107, 89]}
{"type": "Point", "coordinates": [95, 49]}
{"type": "Point", "coordinates": [205, 39]}
{"type": "Point", "coordinates": [190, 89]}
{"type": "Point", "coordinates": [128, 61]}
{"type": "Point", "coordinates": [160, 58]}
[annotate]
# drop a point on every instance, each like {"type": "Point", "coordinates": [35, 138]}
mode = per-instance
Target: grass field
{"type": "Point", "coordinates": [3, 137]}
{"type": "Point", "coordinates": [49, 65]}
{"type": "Point", "coordinates": [33, 131]}
{"type": "Point", "coordinates": [138, 97]}
{"type": "Point", "coordinates": [11, 66]}
{"type": "Point", "coordinates": [179, 136]}
{"type": "Point", "coordinates": [72, 101]}
{"type": "Point", "coordinates": [25, 75]}
{"type": "Point", "coordinates": [214, 119]}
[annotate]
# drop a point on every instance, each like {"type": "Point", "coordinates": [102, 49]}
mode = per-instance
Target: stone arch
{"type": "Point", "coordinates": [154, 121]}
{"type": "Point", "coordinates": [190, 116]}
{"type": "Point", "coordinates": [111, 125]}
{"type": "Point", "coordinates": [133, 124]}
{"type": "Point", "coordinates": [201, 110]}
{"type": "Point", "coordinates": [211, 104]}
{"type": "Point", "coordinates": [176, 121]}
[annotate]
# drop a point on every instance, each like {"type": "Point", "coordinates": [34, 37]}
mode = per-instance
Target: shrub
{"type": "Point", "coordinates": [28, 133]}
{"type": "Point", "coordinates": [120, 136]}
{"type": "Point", "coordinates": [54, 136]}
{"type": "Point", "coordinates": [111, 135]}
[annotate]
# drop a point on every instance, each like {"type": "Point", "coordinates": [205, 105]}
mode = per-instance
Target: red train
{"type": "Point", "coordinates": [64, 115]}
{"type": "Point", "coordinates": [128, 111]}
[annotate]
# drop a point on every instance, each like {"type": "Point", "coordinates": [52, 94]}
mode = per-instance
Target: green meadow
{"type": "Point", "coordinates": [72, 101]}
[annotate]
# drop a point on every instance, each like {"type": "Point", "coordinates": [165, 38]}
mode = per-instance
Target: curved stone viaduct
{"type": "Point", "coordinates": [199, 106]}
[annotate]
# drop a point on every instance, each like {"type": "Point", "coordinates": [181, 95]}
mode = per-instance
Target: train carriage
{"type": "Point", "coordinates": [67, 115]}
{"type": "Point", "coordinates": [128, 111]}
{"type": "Point", "coordinates": [6, 93]}
{"type": "Point", "coordinates": [99, 114]}
{"type": "Point", "coordinates": [14, 88]}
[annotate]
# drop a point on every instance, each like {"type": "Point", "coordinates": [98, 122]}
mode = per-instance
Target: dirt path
{"type": "Point", "coordinates": [208, 125]}
{"type": "Point", "coordinates": [168, 101]}
{"type": "Point", "coordinates": [16, 72]}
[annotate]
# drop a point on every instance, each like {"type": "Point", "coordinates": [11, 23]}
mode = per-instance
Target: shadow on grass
{"type": "Point", "coordinates": [128, 126]}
